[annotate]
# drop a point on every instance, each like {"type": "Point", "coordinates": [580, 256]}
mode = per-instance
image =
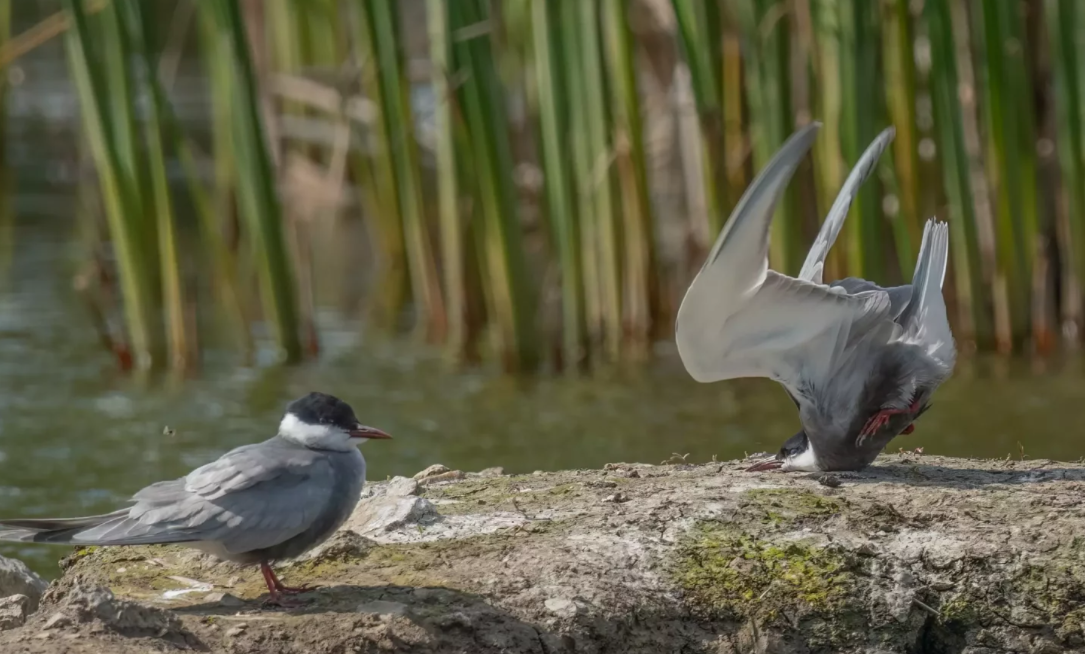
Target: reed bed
{"type": "Point", "coordinates": [524, 212]}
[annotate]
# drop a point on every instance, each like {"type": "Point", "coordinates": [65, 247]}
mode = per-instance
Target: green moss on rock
{"type": "Point", "coordinates": [786, 507]}
{"type": "Point", "coordinates": [731, 573]}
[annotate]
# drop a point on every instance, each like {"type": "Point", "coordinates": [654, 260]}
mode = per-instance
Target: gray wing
{"type": "Point", "coordinates": [252, 497]}
{"type": "Point", "coordinates": [740, 319]}
{"type": "Point", "coordinates": [814, 265]}
{"type": "Point", "coordinates": [924, 319]}
{"type": "Point", "coordinates": [899, 296]}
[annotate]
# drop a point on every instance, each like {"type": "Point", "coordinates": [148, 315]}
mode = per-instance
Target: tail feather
{"type": "Point", "coordinates": [50, 524]}
{"type": "Point", "coordinates": [930, 271]}
{"type": "Point", "coordinates": [52, 530]}
{"type": "Point", "coordinates": [88, 530]}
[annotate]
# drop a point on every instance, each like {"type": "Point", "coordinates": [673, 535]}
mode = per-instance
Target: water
{"type": "Point", "coordinates": [77, 437]}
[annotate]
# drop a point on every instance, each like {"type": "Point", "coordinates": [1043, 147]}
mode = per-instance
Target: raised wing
{"type": "Point", "coordinates": [740, 319]}
{"type": "Point", "coordinates": [899, 296]}
{"type": "Point", "coordinates": [814, 265]}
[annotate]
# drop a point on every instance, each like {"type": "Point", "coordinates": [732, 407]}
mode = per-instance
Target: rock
{"type": "Point", "coordinates": [435, 469]}
{"type": "Point", "coordinates": [17, 579]}
{"type": "Point", "coordinates": [13, 611]}
{"type": "Point", "coordinates": [561, 607]}
{"type": "Point", "coordinates": [703, 560]}
{"type": "Point", "coordinates": [57, 621]}
{"type": "Point", "coordinates": [401, 487]}
{"type": "Point", "coordinates": [223, 599]}
{"type": "Point", "coordinates": [617, 498]}
{"type": "Point", "coordinates": [831, 481]}
{"type": "Point", "coordinates": [234, 632]}
{"type": "Point", "coordinates": [456, 619]}
{"type": "Point", "coordinates": [496, 471]}
{"type": "Point", "coordinates": [383, 607]}
{"type": "Point", "coordinates": [376, 515]}
{"type": "Point", "coordinates": [343, 544]}
{"type": "Point", "coordinates": [451, 475]}
{"type": "Point", "coordinates": [85, 604]}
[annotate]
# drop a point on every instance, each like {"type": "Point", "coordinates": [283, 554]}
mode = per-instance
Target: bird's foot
{"type": "Point", "coordinates": [881, 419]}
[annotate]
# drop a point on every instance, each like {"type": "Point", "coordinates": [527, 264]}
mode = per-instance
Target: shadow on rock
{"type": "Point", "coordinates": [390, 618]}
{"type": "Point", "coordinates": [918, 473]}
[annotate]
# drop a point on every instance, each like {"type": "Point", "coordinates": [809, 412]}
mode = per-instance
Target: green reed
{"type": "Point", "coordinates": [383, 36]}
{"type": "Point", "coordinates": [595, 188]}
{"type": "Point", "coordinates": [555, 58]}
{"type": "Point", "coordinates": [553, 90]}
{"type": "Point", "coordinates": [1065, 22]}
{"type": "Point", "coordinates": [453, 237]}
{"type": "Point", "coordinates": [254, 178]}
{"type": "Point", "coordinates": [641, 290]}
{"type": "Point", "coordinates": [700, 32]}
{"type": "Point", "coordinates": [900, 87]}
{"type": "Point", "coordinates": [1006, 107]}
{"type": "Point", "coordinates": [509, 291]}
{"type": "Point", "coordinates": [98, 57]}
{"type": "Point", "coordinates": [766, 28]}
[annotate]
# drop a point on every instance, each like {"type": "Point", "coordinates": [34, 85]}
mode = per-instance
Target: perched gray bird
{"type": "Point", "coordinates": [256, 504]}
{"type": "Point", "coordinates": [860, 361]}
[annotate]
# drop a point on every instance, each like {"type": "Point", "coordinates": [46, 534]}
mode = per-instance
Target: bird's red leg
{"type": "Point", "coordinates": [881, 418]}
{"type": "Point", "coordinates": [279, 587]}
{"type": "Point", "coordinates": [276, 598]}
{"type": "Point", "coordinates": [275, 588]}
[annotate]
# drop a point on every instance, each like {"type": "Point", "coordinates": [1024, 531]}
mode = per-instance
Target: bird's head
{"type": "Point", "coordinates": [324, 422]}
{"type": "Point", "coordinates": [795, 454]}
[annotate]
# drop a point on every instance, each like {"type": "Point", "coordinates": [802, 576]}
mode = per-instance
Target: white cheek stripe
{"type": "Point", "coordinates": [321, 436]}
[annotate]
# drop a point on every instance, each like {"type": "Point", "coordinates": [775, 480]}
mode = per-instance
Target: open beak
{"type": "Point", "coordinates": [361, 431]}
{"type": "Point", "coordinates": [766, 464]}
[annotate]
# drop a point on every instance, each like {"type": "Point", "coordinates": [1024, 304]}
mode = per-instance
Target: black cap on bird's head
{"type": "Point", "coordinates": [324, 409]}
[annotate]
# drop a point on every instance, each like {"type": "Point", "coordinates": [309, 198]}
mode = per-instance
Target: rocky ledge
{"type": "Point", "coordinates": [918, 554]}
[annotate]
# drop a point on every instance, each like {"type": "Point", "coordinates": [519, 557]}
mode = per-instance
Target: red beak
{"type": "Point", "coordinates": [361, 431]}
{"type": "Point", "coordinates": [766, 464]}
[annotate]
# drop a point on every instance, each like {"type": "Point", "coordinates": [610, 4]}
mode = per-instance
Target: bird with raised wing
{"type": "Point", "coordinates": [255, 505]}
{"type": "Point", "coordinates": [860, 362]}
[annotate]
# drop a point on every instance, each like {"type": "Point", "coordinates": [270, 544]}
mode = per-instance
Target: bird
{"type": "Point", "coordinates": [255, 505]}
{"type": "Point", "coordinates": [859, 361]}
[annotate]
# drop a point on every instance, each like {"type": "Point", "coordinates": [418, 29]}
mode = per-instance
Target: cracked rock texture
{"type": "Point", "coordinates": [17, 579]}
{"type": "Point", "coordinates": [917, 555]}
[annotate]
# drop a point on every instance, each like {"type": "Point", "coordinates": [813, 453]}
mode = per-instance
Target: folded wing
{"type": "Point", "coordinates": [253, 497]}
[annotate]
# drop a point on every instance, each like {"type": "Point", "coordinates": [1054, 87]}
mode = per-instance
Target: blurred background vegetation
{"type": "Point", "coordinates": [535, 182]}
{"type": "Point", "coordinates": [378, 188]}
